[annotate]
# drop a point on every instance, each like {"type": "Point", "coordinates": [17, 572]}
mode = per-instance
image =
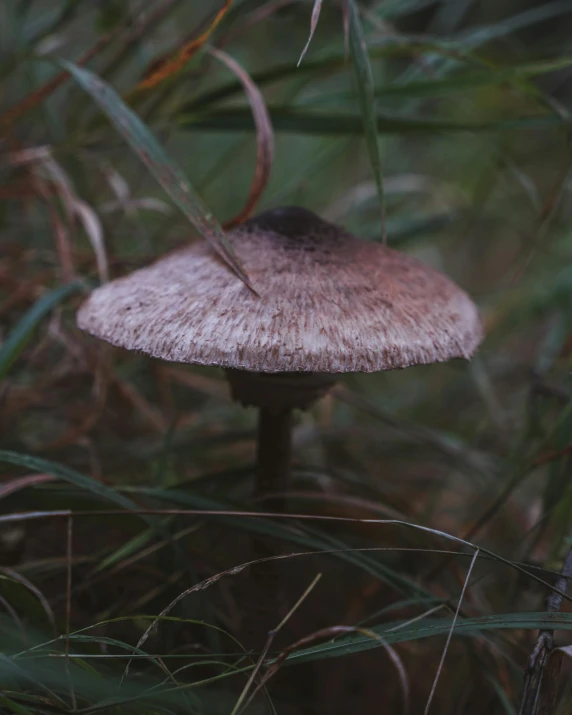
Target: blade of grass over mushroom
{"type": "Point", "coordinates": [366, 96]}
{"type": "Point", "coordinates": [264, 135]}
{"type": "Point", "coordinates": [313, 25]}
{"type": "Point", "coordinates": [167, 173]}
{"type": "Point", "coordinates": [24, 330]}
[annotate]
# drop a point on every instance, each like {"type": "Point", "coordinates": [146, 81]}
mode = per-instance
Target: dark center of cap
{"type": "Point", "coordinates": [290, 221]}
{"type": "Point", "coordinates": [303, 229]}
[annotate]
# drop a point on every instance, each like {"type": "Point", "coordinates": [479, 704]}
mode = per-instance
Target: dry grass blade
{"type": "Point", "coordinates": [69, 555]}
{"type": "Point", "coordinates": [313, 25]}
{"type": "Point", "coordinates": [24, 460]}
{"type": "Point", "coordinates": [194, 589]}
{"type": "Point", "coordinates": [42, 158]}
{"type": "Point", "coordinates": [346, 26]}
{"type": "Point", "coordinates": [267, 646]}
{"type": "Point", "coordinates": [94, 231]}
{"type": "Point", "coordinates": [176, 63]}
{"type": "Point", "coordinates": [11, 611]}
{"type": "Point", "coordinates": [30, 480]}
{"type": "Point", "coordinates": [446, 648]}
{"type": "Point", "coordinates": [15, 576]}
{"type": "Point", "coordinates": [63, 243]}
{"type": "Point", "coordinates": [394, 657]}
{"type": "Point", "coordinates": [344, 500]}
{"type": "Point", "coordinates": [541, 677]}
{"type": "Point", "coordinates": [264, 136]}
{"type": "Point", "coordinates": [322, 634]}
{"type": "Point", "coordinates": [167, 173]}
{"type": "Point", "coordinates": [207, 583]}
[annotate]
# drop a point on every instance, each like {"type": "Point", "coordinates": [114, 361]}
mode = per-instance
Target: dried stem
{"type": "Point", "coordinates": [69, 555]}
{"type": "Point", "coordinates": [541, 675]}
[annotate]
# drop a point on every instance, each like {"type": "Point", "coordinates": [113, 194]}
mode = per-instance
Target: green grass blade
{"type": "Point", "coordinates": [400, 632]}
{"type": "Point", "coordinates": [24, 330]}
{"type": "Point", "coordinates": [527, 18]}
{"type": "Point", "coordinates": [125, 550]}
{"type": "Point", "coordinates": [167, 172]}
{"type": "Point", "coordinates": [366, 96]}
{"type": "Point", "coordinates": [80, 480]}
{"type": "Point", "coordinates": [459, 82]}
{"type": "Point", "coordinates": [326, 123]}
{"type": "Point", "coordinates": [14, 707]}
{"type": "Point", "coordinates": [396, 8]}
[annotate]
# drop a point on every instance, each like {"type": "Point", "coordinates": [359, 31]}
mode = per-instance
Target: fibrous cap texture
{"type": "Point", "coordinates": [329, 302]}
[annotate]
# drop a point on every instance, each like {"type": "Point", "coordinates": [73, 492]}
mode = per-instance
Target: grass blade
{"type": "Point", "coordinates": [72, 477]}
{"type": "Point", "coordinates": [167, 173]}
{"type": "Point", "coordinates": [450, 635]}
{"type": "Point", "coordinates": [327, 123]}
{"type": "Point", "coordinates": [173, 65]}
{"type": "Point", "coordinates": [516, 76]}
{"type": "Point", "coordinates": [366, 96]}
{"type": "Point", "coordinates": [404, 631]}
{"type": "Point", "coordinates": [22, 333]}
{"type": "Point", "coordinates": [313, 25]}
{"type": "Point", "coordinates": [14, 707]}
{"type": "Point", "coordinates": [264, 134]}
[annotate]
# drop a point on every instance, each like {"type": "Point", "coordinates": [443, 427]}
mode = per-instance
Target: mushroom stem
{"type": "Point", "coordinates": [276, 395]}
{"type": "Point", "coordinates": [273, 455]}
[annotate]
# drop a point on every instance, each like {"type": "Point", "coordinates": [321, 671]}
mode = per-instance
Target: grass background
{"type": "Point", "coordinates": [468, 108]}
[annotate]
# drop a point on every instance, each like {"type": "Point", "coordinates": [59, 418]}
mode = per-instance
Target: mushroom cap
{"type": "Point", "coordinates": [329, 302]}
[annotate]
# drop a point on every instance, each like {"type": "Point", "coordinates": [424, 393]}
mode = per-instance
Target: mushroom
{"type": "Point", "coordinates": [330, 303]}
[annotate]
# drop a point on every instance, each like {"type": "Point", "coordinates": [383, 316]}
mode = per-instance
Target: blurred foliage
{"type": "Point", "coordinates": [469, 110]}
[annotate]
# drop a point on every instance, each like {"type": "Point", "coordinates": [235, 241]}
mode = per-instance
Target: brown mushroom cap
{"type": "Point", "coordinates": [330, 303]}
